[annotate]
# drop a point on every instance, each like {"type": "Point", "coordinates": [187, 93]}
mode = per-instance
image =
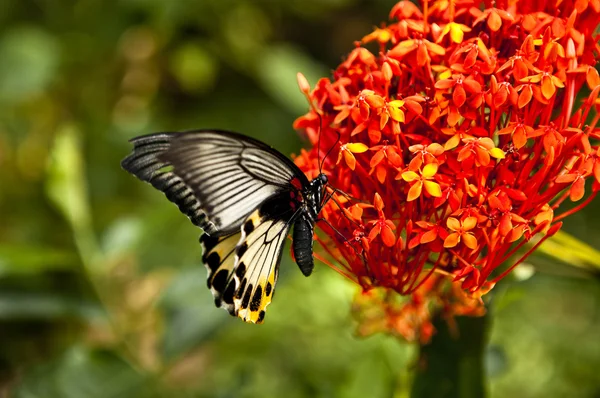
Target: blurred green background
{"type": "Point", "coordinates": [102, 291]}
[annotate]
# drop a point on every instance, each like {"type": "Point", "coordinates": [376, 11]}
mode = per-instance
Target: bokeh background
{"type": "Point", "coordinates": [102, 291]}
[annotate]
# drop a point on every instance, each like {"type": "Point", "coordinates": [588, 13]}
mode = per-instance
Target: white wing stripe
{"type": "Point", "coordinates": [220, 186]}
{"type": "Point", "coordinates": [240, 192]}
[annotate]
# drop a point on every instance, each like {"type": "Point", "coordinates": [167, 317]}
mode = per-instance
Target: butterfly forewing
{"type": "Point", "coordinates": [228, 175]}
{"type": "Point", "coordinates": [145, 164]}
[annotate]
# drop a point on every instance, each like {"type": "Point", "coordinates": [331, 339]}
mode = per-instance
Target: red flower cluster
{"type": "Point", "coordinates": [461, 138]}
{"type": "Point", "coordinates": [382, 310]}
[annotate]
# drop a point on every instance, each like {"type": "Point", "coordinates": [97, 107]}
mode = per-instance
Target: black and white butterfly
{"type": "Point", "coordinates": [245, 195]}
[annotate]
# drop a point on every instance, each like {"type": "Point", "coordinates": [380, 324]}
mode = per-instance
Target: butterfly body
{"type": "Point", "coordinates": [304, 226]}
{"type": "Point", "coordinates": [245, 196]}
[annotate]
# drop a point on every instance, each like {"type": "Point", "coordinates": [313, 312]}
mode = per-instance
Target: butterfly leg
{"type": "Point", "coordinates": [330, 196]}
{"type": "Point", "coordinates": [345, 194]}
{"type": "Point", "coordinates": [326, 199]}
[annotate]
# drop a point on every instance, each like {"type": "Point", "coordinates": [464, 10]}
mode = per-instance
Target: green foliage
{"type": "Point", "coordinates": [102, 291]}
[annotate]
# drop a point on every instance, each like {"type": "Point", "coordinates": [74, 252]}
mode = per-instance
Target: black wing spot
{"type": "Point", "coordinates": [241, 270]}
{"type": "Point", "coordinates": [241, 249]}
{"type": "Point", "coordinates": [268, 289]}
{"type": "Point", "coordinates": [219, 280]}
{"type": "Point", "coordinates": [248, 227]}
{"type": "Point", "coordinates": [229, 291]}
{"type": "Point", "coordinates": [256, 299]}
{"type": "Point", "coordinates": [261, 316]}
{"type": "Point", "coordinates": [213, 260]}
{"type": "Point", "coordinates": [209, 242]}
{"type": "Point", "coordinates": [246, 299]}
{"type": "Point", "coordinates": [238, 293]}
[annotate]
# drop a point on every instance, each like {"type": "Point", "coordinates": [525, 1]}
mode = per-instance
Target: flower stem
{"type": "Point", "coordinates": [452, 365]}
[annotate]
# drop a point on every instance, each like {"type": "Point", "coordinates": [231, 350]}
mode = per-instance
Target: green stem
{"type": "Point", "coordinates": [452, 365]}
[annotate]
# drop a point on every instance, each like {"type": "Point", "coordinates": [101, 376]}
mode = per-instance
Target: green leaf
{"type": "Point", "coordinates": [571, 251]}
{"type": "Point", "coordinates": [276, 70]}
{"type": "Point", "coordinates": [32, 259]}
{"type": "Point", "coordinates": [66, 187]}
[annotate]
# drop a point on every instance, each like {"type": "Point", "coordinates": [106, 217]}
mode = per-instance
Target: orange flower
{"type": "Point", "coordinates": [461, 232]}
{"type": "Point", "coordinates": [423, 179]}
{"type": "Point", "coordinates": [456, 30]}
{"type": "Point", "coordinates": [347, 151]}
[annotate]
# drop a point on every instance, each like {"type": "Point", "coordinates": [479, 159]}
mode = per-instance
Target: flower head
{"type": "Point", "coordinates": [458, 140]}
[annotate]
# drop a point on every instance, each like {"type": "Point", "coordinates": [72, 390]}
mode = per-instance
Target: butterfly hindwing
{"type": "Point", "coordinates": [258, 255]}
{"type": "Point", "coordinates": [243, 267]}
{"type": "Point", "coordinates": [218, 255]}
{"type": "Point", "coordinates": [216, 178]}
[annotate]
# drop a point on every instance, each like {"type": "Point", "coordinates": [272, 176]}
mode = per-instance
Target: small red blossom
{"type": "Point", "coordinates": [458, 142]}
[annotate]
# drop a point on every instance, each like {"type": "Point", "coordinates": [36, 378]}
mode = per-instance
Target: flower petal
{"type": "Point", "coordinates": [452, 240]}
{"type": "Point", "coordinates": [548, 88]}
{"type": "Point", "coordinates": [357, 147]}
{"type": "Point", "coordinates": [378, 202]}
{"type": "Point", "coordinates": [494, 21]}
{"type": "Point", "coordinates": [497, 153]}
{"type": "Point", "coordinates": [577, 189]}
{"type": "Point", "coordinates": [469, 223]}
{"type": "Point", "coordinates": [429, 170]}
{"type": "Point", "coordinates": [470, 241]}
{"type": "Point", "coordinates": [350, 160]}
{"type": "Point", "coordinates": [377, 158]}
{"type": "Point", "coordinates": [433, 188]}
{"type": "Point", "coordinates": [409, 176]}
{"type": "Point", "coordinates": [387, 236]}
{"type": "Point", "coordinates": [415, 191]}
{"type": "Point", "coordinates": [429, 236]}
{"type": "Point", "coordinates": [396, 113]}
{"type": "Point", "coordinates": [453, 223]}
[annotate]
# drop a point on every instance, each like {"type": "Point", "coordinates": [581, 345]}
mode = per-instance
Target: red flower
{"type": "Point", "coordinates": [461, 139]}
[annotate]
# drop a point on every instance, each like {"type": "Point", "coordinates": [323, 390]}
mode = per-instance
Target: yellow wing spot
{"type": "Point", "coordinates": [253, 310]}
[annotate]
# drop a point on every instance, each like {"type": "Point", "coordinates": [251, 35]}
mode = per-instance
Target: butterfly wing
{"type": "Point", "coordinates": [243, 273]}
{"type": "Point", "coordinates": [218, 255]}
{"type": "Point", "coordinates": [258, 256]}
{"type": "Point", "coordinates": [216, 178]}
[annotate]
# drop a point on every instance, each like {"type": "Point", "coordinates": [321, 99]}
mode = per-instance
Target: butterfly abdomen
{"type": "Point", "coordinates": [303, 244]}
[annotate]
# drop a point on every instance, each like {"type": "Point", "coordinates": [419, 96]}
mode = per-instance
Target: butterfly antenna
{"type": "Point", "coordinates": [330, 149]}
{"type": "Point", "coordinates": [319, 144]}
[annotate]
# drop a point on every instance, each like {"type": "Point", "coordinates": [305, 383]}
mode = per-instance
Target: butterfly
{"type": "Point", "coordinates": [246, 196]}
